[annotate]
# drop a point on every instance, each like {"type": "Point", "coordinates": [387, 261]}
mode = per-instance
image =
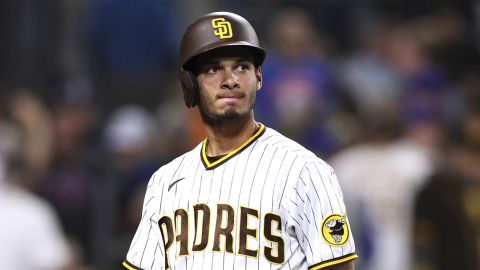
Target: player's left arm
{"type": "Point", "coordinates": [319, 215]}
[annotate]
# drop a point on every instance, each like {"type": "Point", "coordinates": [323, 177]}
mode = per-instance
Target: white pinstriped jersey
{"type": "Point", "coordinates": [270, 204]}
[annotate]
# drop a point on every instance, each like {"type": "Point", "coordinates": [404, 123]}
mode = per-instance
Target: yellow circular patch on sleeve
{"type": "Point", "coordinates": [335, 230]}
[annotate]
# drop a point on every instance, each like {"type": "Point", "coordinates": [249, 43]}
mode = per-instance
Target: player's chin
{"type": "Point", "coordinates": [231, 108]}
{"type": "Point", "coordinates": [232, 113]}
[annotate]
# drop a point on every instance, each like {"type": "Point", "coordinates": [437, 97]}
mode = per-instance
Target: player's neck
{"type": "Point", "coordinates": [222, 139]}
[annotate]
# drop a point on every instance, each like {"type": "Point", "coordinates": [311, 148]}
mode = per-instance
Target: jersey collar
{"type": "Point", "coordinates": [213, 165]}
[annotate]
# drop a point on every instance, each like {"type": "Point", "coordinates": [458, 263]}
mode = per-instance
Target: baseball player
{"type": "Point", "coordinates": [246, 197]}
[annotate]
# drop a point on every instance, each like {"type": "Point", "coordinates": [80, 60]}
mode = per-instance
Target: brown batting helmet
{"type": "Point", "coordinates": [209, 32]}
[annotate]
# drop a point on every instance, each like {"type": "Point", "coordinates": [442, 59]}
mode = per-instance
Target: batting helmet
{"type": "Point", "coordinates": [209, 32]}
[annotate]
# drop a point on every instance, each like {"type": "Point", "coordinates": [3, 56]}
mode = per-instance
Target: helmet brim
{"type": "Point", "coordinates": [258, 53]}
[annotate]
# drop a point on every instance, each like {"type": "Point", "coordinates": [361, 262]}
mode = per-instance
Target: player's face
{"type": "Point", "coordinates": [228, 82]}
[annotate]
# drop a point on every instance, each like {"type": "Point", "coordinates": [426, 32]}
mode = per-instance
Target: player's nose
{"type": "Point", "coordinates": [230, 79]}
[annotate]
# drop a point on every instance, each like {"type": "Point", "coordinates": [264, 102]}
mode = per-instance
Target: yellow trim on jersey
{"type": "Point", "coordinates": [330, 263]}
{"type": "Point", "coordinates": [128, 266]}
{"type": "Point", "coordinates": [241, 147]}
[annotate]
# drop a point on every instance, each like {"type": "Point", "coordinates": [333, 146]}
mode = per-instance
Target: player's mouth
{"type": "Point", "coordinates": [230, 97]}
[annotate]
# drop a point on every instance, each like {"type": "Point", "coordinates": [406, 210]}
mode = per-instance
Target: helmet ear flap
{"type": "Point", "coordinates": [190, 89]}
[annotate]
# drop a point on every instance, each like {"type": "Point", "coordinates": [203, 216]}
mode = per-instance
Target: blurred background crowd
{"type": "Point", "coordinates": [386, 91]}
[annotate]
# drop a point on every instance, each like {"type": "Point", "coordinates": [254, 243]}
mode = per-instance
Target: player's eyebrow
{"type": "Point", "coordinates": [216, 62]}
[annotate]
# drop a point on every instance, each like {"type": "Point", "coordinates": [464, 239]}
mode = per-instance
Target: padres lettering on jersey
{"type": "Point", "coordinates": [176, 229]}
{"type": "Point", "coordinates": [269, 204]}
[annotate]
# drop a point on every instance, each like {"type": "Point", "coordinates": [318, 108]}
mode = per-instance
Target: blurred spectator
{"type": "Point", "coordinates": [298, 89]}
{"type": "Point", "coordinates": [131, 44]}
{"type": "Point", "coordinates": [76, 183]}
{"type": "Point", "coordinates": [136, 142]}
{"type": "Point", "coordinates": [426, 87]}
{"type": "Point", "coordinates": [447, 210]}
{"type": "Point", "coordinates": [367, 77]}
{"type": "Point", "coordinates": [394, 67]}
{"type": "Point", "coordinates": [449, 40]}
{"type": "Point", "coordinates": [32, 119]}
{"type": "Point", "coordinates": [31, 235]}
{"type": "Point", "coordinates": [127, 141]}
{"type": "Point", "coordinates": [380, 178]}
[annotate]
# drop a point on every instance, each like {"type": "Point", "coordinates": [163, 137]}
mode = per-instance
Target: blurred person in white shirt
{"type": "Point", "coordinates": [381, 178]}
{"type": "Point", "coordinates": [30, 233]}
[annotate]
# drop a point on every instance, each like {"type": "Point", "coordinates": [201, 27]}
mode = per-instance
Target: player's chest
{"type": "Point", "coordinates": [225, 214]}
{"type": "Point", "coordinates": [238, 183]}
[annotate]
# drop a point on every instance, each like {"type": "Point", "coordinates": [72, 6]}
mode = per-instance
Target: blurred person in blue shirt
{"type": "Point", "coordinates": [299, 89]}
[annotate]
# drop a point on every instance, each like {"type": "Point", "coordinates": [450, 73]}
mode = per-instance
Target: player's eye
{"type": "Point", "coordinates": [212, 70]}
{"type": "Point", "coordinates": [242, 67]}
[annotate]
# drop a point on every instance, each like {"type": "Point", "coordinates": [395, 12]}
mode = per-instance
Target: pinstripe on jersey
{"type": "Point", "coordinates": [270, 204]}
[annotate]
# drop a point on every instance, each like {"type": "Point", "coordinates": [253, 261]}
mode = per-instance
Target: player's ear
{"type": "Point", "coordinates": [258, 74]}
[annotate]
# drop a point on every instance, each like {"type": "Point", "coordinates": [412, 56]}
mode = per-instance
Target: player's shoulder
{"type": "Point", "coordinates": [291, 148]}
